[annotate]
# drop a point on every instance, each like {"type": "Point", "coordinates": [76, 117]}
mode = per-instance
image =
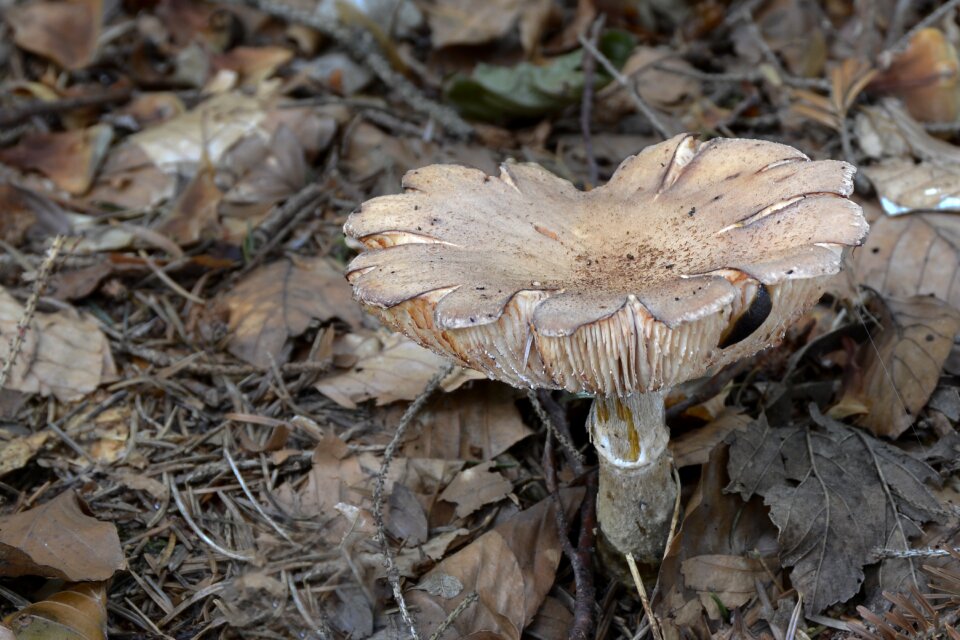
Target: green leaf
{"type": "Point", "coordinates": [527, 91]}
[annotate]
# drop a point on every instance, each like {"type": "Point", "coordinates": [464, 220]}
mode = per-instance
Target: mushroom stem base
{"type": "Point", "coordinates": [637, 492]}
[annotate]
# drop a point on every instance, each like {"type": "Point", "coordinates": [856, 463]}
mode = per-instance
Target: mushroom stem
{"type": "Point", "coordinates": [637, 492]}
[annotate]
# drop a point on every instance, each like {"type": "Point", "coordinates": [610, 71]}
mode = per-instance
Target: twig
{"type": "Point", "coordinates": [935, 15]}
{"type": "Point", "coordinates": [213, 369]}
{"type": "Point", "coordinates": [577, 461]}
{"type": "Point", "coordinates": [450, 619]}
{"type": "Point", "coordinates": [24, 111]}
{"type": "Point", "coordinates": [644, 600]}
{"type": "Point", "coordinates": [586, 103]}
{"type": "Point", "coordinates": [923, 552]}
{"type": "Point", "coordinates": [182, 508]}
{"type": "Point", "coordinates": [585, 545]}
{"type": "Point", "coordinates": [23, 324]}
{"type": "Point", "coordinates": [624, 82]}
{"type": "Point", "coordinates": [583, 623]}
{"type": "Point", "coordinates": [896, 24]}
{"type": "Point", "coordinates": [322, 628]}
{"type": "Point", "coordinates": [270, 233]}
{"type": "Point", "coordinates": [361, 46]}
{"type": "Point", "coordinates": [167, 280]}
{"type": "Point", "coordinates": [393, 575]}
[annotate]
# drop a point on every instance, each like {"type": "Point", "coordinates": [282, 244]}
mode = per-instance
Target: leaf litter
{"type": "Point", "coordinates": [196, 371]}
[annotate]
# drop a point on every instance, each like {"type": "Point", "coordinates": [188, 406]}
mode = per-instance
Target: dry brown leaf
{"type": "Point", "coordinates": [476, 487]}
{"type": "Point", "coordinates": [194, 213]}
{"type": "Point", "coordinates": [912, 255]}
{"type": "Point", "coordinates": [334, 478]}
{"type": "Point", "coordinates": [904, 185]}
{"type": "Point", "coordinates": [16, 453]}
{"type": "Point", "coordinates": [59, 539]}
{"type": "Point", "coordinates": [279, 301]}
{"type": "Point", "coordinates": [66, 32]}
{"type": "Point", "coordinates": [925, 76]}
{"type": "Point", "coordinates": [900, 367]}
{"type": "Point", "coordinates": [27, 214]}
{"type": "Point", "coordinates": [253, 65]}
{"type": "Point", "coordinates": [727, 578]}
{"type": "Point", "coordinates": [836, 494]}
{"type": "Point", "coordinates": [404, 517]}
{"type": "Point", "coordinates": [281, 170]}
{"type": "Point", "coordinates": [457, 22]}
{"type": "Point", "coordinates": [510, 568]}
{"type": "Point", "coordinates": [78, 612]}
{"type": "Point", "coordinates": [734, 529]}
{"type": "Point", "coordinates": [64, 353]}
{"type": "Point", "coordinates": [208, 130]}
{"type": "Point", "coordinates": [662, 89]}
{"type": "Point", "coordinates": [70, 158]}
{"type": "Point", "coordinates": [552, 621]}
{"type": "Point", "coordinates": [694, 447]}
{"type": "Point", "coordinates": [473, 424]}
{"type": "Point", "coordinates": [400, 371]}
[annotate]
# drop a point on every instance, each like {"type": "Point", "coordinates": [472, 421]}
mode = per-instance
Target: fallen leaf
{"type": "Point", "coordinates": [399, 372]}
{"type": "Point", "coordinates": [694, 447]}
{"type": "Point", "coordinates": [253, 65]}
{"type": "Point", "coordinates": [476, 487]}
{"type": "Point", "coordinates": [16, 453]}
{"type": "Point", "coordinates": [64, 353]}
{"type": "Point", "coordinates": [280, 172]}
{"type": "Point", "coordinates": [499, 94]}
{"type": "Point", "coordinates": [912, 255]}
{"type": "Point", "coordinates": [715, 524]}
{"type": "Point", "coordinates": [280, 301]}
{"type": "Point", "coordinates": [65, 32]}
{"type": "Point", "coordinates": [835, 494]}
{"type": "Point", "coordinates": [59, 539]}
{"type": "Point", "coordinates": [77, 612]}
{"type": "Point", "coordinates": [473, 424]}
{"type": "Point", "coordinates": [904, 185]}
{"type": "Point", "coordinates": [458, 22]}
{"type": "Point", "coordinates": [510, 568]}
{"type": "Point", "coordinates": [193, 216]}
{"type": "Point", "coordinates": [208, 130]}
{"type": "Point", "coordinates": [925, 77]}
{"type": "Point", "coordinates": [69, 158]}
{"type": "Point", "coordinates": [404, 518]}
{"type": "Point", "coordinates": [661, 89]}
{"type": "Point", "coordinates": [27, 214]}
{"type": "Point", "coordinates": [552, 621]}
{"type": "Point", "coordinates": [900, 367]}
{"type": "Point", "coordinates": [729, 579]}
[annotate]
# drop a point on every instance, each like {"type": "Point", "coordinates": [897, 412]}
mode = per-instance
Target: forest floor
{"type": "Point", "coordinates": [203, 434]}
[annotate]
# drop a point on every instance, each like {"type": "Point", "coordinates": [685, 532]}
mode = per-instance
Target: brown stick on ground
{"type": "Point", "coordinates": [580, 558]}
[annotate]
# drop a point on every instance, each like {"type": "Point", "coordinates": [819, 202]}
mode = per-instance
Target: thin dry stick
{"type": "Point", "coordinates": [182, 508]}
{"type": "Point", "coordinates": [577, 459]}
{"type": "Point", "coordinates": [23, 324]}
{"type": "Point", "coordinates": [361, 46]}
{"type": "Point", "coordinates": [923, 552]}
{"type": "Point", "coordinates": [583, 622]}
{"type": "Point", "coordinates": [450, 619]}
{"type": "Point", "coordinates": [393, 575]}
{"type": "Point", "coordinates": [624, 82]}
{"type": "Point", "coordinates": [644, 600]}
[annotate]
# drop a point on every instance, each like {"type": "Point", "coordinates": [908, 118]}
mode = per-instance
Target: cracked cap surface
{"type": "Point", "coordinates": [693, 255]}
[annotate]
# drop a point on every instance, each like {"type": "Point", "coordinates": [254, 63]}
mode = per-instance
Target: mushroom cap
{"type": "Point", "coordinates": [693, 255]}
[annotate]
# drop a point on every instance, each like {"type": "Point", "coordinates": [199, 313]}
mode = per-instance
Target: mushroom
{"type": "Point", "coordinates": [692, 256]}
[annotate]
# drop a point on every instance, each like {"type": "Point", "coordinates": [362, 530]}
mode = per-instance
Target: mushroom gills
{"type": "Point", "coordinates": [743, 326]}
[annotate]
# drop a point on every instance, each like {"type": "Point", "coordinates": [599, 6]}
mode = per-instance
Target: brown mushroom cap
{"type": "Point", "coordinates": [630, 287]}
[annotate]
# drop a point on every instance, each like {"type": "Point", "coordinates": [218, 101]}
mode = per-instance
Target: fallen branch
{"type": "Point", "coordinates": [393, 574]}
